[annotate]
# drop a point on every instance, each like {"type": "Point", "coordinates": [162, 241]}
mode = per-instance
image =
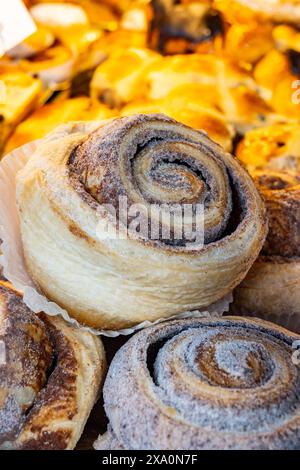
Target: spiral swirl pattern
{"type": "Point", "coordinates": [151, 161]}
{"type": "Point", "coordinates": [205, 384]}
{"type": "Point", "coordinates": [47, 365]}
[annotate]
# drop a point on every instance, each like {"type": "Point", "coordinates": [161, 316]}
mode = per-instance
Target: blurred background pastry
{"type": "Point", "coordinates": [204, 384]}
{"type": "Point", "coordinates": [81, 169]}
{"type": "Point", "coordinates": [272, 288]}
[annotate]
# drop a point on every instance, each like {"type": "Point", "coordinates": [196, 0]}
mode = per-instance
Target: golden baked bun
{"type": "Point", "coordinates": [206, 384]}
{"type": "Point", "coordinates": [275, 147]}
{"type": "Point", "coordinates": [49, 380]}
{"type": "Point", "coordinates": [59, 16]}
{"type": "Point", "coordinates": [19, 95]}
{"type": "Point", "coordinates": [68, 199]}
{"type": "Point", "coordinates": [282, 11]}
{"type": "Point", "coordinates": [55, 64]}
{"type": "Point", "coordinates": [272, 287]}
{"type": "Point", "coordinates": [189, 106]}
{"type": "Point", "coordinates": [45, 119]}
{"type": "Point", "coordinates": [115, 84]}
{"type": "Point", "coordinates": [40, 40]}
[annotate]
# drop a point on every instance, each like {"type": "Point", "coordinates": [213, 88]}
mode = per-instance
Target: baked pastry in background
{"type": "Point", "coordinates": [272, 287]}
{"type": "Point", "coordinates": [45, 119]}
{"type": "Point", "coordinates": [40, 40]}
{"type": "Point", "coordinates": [54, 65]}
{"type": "Point", "coordinates": [19, 94]}
{"type": "Point", "coordinates": [210, 384]}
{"type": "Point", "coordinates": [49, 379]}
{"type": "Point", "coordinates": [248, 42]}
{"type": "Point", "coordinates": [181, 26]}
{"type": "Point", "coordinates": [69, 204]}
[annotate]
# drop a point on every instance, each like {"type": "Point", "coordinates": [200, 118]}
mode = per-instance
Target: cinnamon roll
{"type": "Point", "coordinates": [272, 287]}
{"type": "Point", "coordinates": [283, 11]}
{"type": "Point", "coordinates": [50, 373]}
{"type": "Point", "coordinates": [213, 384]}
{"type": "Point", "coordinates": [112, 266]}
{"type": "Point", "coordinates": [22, 94]}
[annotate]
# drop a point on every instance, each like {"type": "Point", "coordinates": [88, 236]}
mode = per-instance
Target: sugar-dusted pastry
{"type": "Point", "coordinates": [50, 373]}
{"type": "Point", "coordinates": [208, 384]}
{"type": "Point", "coordinates": [19, 94]}
{"type": "Point", "coordinates": [103, 263]}
{"type": "Point", "coordinates": [272, 287]}
{"type": "Point", "coordinates": [45, 119]}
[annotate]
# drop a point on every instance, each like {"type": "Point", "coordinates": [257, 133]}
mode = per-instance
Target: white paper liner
{"type": "Point", "coordinates": [13, 262]}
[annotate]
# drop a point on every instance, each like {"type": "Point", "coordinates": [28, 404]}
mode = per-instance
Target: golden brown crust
{"type": "Point", "coordinates": [50, 379]}
{"type": "Point", "coordinates": [271, 288]}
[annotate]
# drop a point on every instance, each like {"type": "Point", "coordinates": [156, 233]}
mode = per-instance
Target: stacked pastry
{"type": "Point", "coordinates": [272, 287]}
{"type": "Point", "coordinates": [50, 373]}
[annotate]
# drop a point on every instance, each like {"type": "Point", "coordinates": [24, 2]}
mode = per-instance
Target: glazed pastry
{"type": "Point", "coordinates": [115, 85]}
{"type": "Point", "coordinates": [49, 379]}
{"type": "Point", "coordinates": [272, 287]}
{"type": "Point", "coordinates": [214, 384]}
{"type": "Point", "coordinates": [68, 198]}
{"type": "Point", "coordinates": [21, 93]}
{"type": "Point", "coordinates": [45, 119]}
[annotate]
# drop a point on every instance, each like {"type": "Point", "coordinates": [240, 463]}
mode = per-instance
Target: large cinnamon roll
{"type": "Point", "coordinates": [50, 373]}
{"type": "Point", "coordinates": [83, 250]}
{"type": "Point", "coordinates": [204, 384]}
{"type": "Point", "coordinates": [272, 287]}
